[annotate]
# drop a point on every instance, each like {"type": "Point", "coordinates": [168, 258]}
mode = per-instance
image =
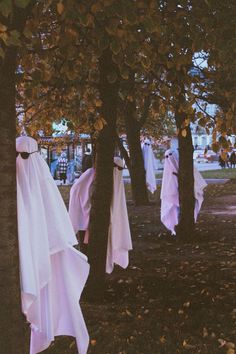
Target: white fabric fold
{"type": "Point", "coordinates": [46, 237]}
{"type": "Point", "coordinates": [119, 237]}
{"type": "Point", "coordinates": [149, 165]}
{"type": "Point", "coordinates": [199, 185]}
{"type": "Point", "coordinates": [170, 193]}
{"type": "Point", "coordinates": [80, 200]}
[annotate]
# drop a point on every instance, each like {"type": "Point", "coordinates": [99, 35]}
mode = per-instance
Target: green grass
{"type": "Point", "coordinates": [227, 173]}
{"type": "Point", "coordinates": [222, 173]}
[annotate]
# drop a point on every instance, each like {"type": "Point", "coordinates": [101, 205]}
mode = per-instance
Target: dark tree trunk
{"type": "Point", "coordinates": [136, 166]}
{"type": "Point", "coordinates": [103, 185]}
{"type": "Point", "coordinates": [185, 228]}
{"type": "Point", "coordinates": [123, 151]}
{"type": "Point", "coordinates": [12, 321]}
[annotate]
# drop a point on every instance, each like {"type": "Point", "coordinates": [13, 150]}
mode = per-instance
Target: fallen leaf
{"type": "Point", "coordinates": [188, 346]}
{"type": "Point", "coordinates": [204, 332]}
{"type": "Point", "coordinates": [72, 344]}
{"type": "Point", "coordinates": [128, 313]}
{"type": "Point", "coordinates": [162, 339]}
{"type": "Point", "coordinates": [93, 342]}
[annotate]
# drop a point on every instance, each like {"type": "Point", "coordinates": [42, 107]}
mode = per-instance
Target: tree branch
{"type": "Point", "coordinates": [123, 151]}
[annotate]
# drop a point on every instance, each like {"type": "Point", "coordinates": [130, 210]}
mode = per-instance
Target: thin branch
{"type": "Point", "coordinates": [143, 119]}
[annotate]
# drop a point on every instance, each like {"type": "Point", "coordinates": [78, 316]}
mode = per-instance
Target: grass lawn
{"type": "Point", "coordinates": [221, 173]}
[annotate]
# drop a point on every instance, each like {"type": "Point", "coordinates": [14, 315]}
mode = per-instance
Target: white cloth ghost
{"type": "Point", "coordinates": [149, 165]}
{"type": "Point", "coordinates": [170, 193]}
{"type": "Point", "coordinates": [119, 237]}
{"type": "Point", "coordinates": [80, 201]}
{"type": "Point", "coordinates": [52, 272]}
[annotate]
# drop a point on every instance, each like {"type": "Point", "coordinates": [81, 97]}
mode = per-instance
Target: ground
{"type": "Point", "coordinates": [174, 297]}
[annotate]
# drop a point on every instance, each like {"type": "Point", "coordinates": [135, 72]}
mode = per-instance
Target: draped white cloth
{"type": "Point", "coordinates": [52, 272]}
{"type": "Point", "coordinates": [149, 165]}
{"type": "Point", "coordinates": [170, 194]}
{"type": "Point", "coordinates": [119, 237]}
{"type": "Point", "coordinates": [199, 185]}
{"type": "Point", "coordinates": [80, 200]}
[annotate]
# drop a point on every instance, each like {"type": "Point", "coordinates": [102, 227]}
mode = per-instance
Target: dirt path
{"type": "Point", "coordinates": [224, 205]}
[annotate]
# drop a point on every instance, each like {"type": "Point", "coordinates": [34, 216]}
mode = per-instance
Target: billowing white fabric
{"type": "Point", "coordinates": [80, 200]}
{"type": "Point", "coordinates": [170, 194]}
{"type": "Point", "coordinates": [119, 237]}
{"type": "Point", "coordinates": [149, 165]}
{"type": "Point", "coordinates": [52, 272]}
{"type": "Point", "coordinates": [199, 185]}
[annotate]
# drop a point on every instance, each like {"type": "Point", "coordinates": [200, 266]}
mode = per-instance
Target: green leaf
{"type": "Point", "coordinates": [6, 8]}
{"type": "Point", "coordinates": [14, 38]}
{"type": "Point", "coordinates": [22, 3]}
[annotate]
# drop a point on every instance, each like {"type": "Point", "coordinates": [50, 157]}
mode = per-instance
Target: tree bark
{"type": "Point", "coordinates": [185, 228]}
{"type": "Point", "coordinates": [103, 185]}
{"type": "Point", "coordinates": [12, 323]}
{"type": "Point", "coordinates": [136, 166]}
{"type": "Point", "coordinates": [123, 151]}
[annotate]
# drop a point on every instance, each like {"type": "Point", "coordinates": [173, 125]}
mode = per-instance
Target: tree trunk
{"type": "Point", "coordinates": [185, 228]}
{"type": "Point", "coordinates": [136, 167]}
{"type": "Point", "coordinates": [103, 185]}
{"type": "Point", "coordinates": [12, 321]}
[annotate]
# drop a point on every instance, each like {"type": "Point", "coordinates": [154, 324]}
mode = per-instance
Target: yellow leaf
{"type": "Point", "coordinates": [230, 345]}
{"type": "Point", "coordinates": [103, 121]}
{"type": "Point", "coordinates": [60, 8]}
{"type": "Point", "coordinates": [98, 103]}
{"type": "Point", "coordinates": [93, 342]}
{"type": "Point", "coordinates": [96, 8]}
{"type": "Point", "coordinates": [188, 346]}
{"type": "Point", "coordinates": [184, 133]}
{"type": "Point", "coordinates": [91, 109]}
{"type": "Point", "coordinates": [230, 351]}
{"type": "Point", "coordinates": [162, 339]}
{"type": "Point", "coordinates": [98, 125]}
{"type": "Point", "coordinates": [2, 28]}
